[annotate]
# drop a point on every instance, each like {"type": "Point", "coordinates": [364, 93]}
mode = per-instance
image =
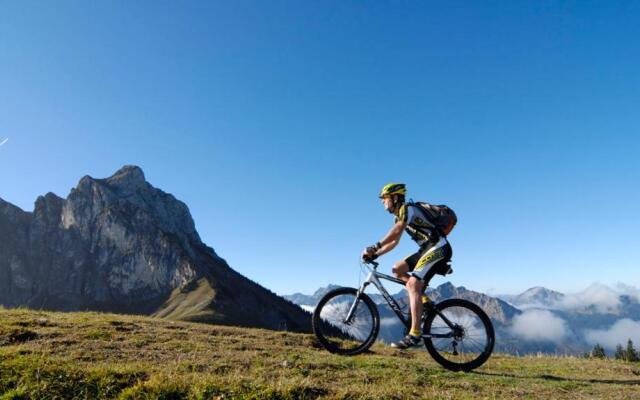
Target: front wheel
{"type": "Point", "coordinates": [460, 336]}
{"type": "Point", "coordinates": [343, 334]}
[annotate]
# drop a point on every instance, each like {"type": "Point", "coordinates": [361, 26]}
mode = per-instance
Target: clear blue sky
{"type": "Point", "coordinates": [277, 122]}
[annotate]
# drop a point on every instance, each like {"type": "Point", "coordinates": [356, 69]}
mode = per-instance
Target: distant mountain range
{"type": "Point", "coordinates": [119, 244]}
{"type": "Point", "coordinates": [536, 297]}
{"type": "Point", "coordinates": [537, 320]}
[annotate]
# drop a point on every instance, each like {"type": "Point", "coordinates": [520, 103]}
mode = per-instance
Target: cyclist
{"type": "Point", "coordinates": [417, 269]}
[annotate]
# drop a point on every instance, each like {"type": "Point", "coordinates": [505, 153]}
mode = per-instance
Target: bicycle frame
{"type": "Point", "coordinates": [374, 278]}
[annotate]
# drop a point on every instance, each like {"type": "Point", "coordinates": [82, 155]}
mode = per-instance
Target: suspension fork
{"type": "Point", "coordinates": [352, 310]}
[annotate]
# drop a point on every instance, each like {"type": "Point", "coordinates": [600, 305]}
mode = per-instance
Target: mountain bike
{"type": "Point", "coordinates": [457, 333]}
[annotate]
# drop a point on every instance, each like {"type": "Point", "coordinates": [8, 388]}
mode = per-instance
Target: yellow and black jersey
{"type": "Point", "coordinates": [418, 226]}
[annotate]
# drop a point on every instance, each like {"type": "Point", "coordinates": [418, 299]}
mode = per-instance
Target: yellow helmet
{"type": "Point", "coordinates": [393, 188]}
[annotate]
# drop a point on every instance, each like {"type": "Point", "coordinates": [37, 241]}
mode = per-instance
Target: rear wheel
{"type": "Point", "coordinates": [342, 336]}
{"type": "Point", "coordinates": [462, 335]}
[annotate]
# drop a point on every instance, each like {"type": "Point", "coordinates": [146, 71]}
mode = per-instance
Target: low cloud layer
{"type": "Point", "coordinates": [602, 297]}
{"type": "Point", "coordinates": [539, 325]}
{"type": "Point", "coordinates": [628, 290]}
{"type": "Point", "coordinates": [390, 323]}
{"type": "Point", "coordinates": [619, 333]}
{"type": "Point", "coordinates": [308, 308]}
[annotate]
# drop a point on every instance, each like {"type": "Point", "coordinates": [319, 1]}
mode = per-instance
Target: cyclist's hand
{"type": "Point", "coordinates": [369, 256]}
{"type": "Point", "coordinates": [372, 249]}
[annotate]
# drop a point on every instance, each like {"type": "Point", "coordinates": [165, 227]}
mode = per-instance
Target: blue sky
{"type": "Point", "coordinates": [278, 122]}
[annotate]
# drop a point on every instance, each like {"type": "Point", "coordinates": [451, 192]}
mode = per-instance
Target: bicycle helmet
{"type": "Point", "coordinates": [393, 188]}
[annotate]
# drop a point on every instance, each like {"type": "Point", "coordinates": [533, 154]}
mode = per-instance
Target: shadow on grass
{"type": "Point", "coordinates": [562, 379]}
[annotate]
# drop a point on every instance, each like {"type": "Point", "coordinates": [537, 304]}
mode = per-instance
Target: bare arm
{"type": "Point", "coordinates": [390, 240]}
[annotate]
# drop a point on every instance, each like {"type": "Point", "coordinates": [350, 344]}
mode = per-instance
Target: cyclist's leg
{"type": "Point", "coordinates": [402, 268]}
{"type": "Point", "coordinates": [420, 276]}
{"type": "Point", "coordinates": [414, 287]}
{"type": "Point", "coordinates": [434, 269]}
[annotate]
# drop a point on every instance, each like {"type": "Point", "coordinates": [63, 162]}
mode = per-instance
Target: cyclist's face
{"type": "Point", "coordinates": [387, 202]}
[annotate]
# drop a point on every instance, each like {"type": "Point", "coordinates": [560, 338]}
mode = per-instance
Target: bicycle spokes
{"type": "Point", "coordinates": [459, 335]}
{"type": "Point", "coordinates": [344, 324]}
{"type": "Point", "coordinates": [356, 325]}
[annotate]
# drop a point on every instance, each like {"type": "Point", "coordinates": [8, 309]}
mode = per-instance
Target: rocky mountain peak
{"type": "Point", "coordinates": [85, 183]}
{"type": "Point", "coordinates": [120, 244]}
{"type": "Point", "coordinates": [49, 198]}
{"type": "Point", "coordinates": [48, 208]}
{"type": "Point", "coordinates": [321, 291]}
{"type": "Point", "coordinates": [537, 297]}
{"type": "Point", "coordinates": [446, 289]}
{"type": "Point", "coordinates": [12, 214]}
{"type": "Point", "coordinates": [127, 196]}
{"type": "Point", "coordinates": [127, 180]}
{"type": "Point", "coordinates": [128, 176]}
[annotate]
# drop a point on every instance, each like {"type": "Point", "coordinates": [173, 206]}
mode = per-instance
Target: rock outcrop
{"type": "Point", "coordinates": [121, 245]}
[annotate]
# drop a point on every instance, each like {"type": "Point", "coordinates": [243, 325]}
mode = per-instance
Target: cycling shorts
{"type": "Point", "coordinates": [426, 262]}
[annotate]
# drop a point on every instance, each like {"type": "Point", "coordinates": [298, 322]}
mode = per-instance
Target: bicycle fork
{"type": "Point", "coordinates": [352, 310]}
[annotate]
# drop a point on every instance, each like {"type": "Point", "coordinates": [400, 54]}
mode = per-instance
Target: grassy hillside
{"type": "Point", "coordinates": [47, 355]}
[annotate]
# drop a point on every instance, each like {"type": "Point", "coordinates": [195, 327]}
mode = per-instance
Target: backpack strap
{"type": "Point", "coordinates": [423, 207]}
{"type": "Point", "coordinates": [430, 212]}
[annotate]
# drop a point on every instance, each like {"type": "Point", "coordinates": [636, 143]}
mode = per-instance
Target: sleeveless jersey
{"type": "Point", "coordinates": [418, 227]}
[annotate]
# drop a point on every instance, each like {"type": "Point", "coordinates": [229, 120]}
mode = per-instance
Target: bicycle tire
{"type": "Point", "coordinates": [479, 333]}
{"type": "Point", "coordinates": [343, 338]}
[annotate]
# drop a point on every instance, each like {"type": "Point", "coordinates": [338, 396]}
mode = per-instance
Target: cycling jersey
{"type": "Point", "coordinates": [418, 226]}
{"type": "Point", "coordinates": [434, 248]}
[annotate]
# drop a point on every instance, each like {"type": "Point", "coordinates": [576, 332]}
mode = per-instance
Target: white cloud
{"type": "Point", "coordinates": [390, 323]}
{"type": "Point", "coordinates": [619, 333]}
{"type": "Point", "coordinates": [537, 306]}
{"type": "Point", "coordinates": [539, 325]}
{"type": "Point", "coordinates": [628, 290]}
{"type": "Point", "coordinates": [311, 309]}
{"type": "Point", "coordinates": [598, 295]}
{"type": "Point", "coordinates": [603, 298]}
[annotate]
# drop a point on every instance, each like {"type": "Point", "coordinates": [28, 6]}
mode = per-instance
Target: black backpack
{"type": "Point", "coordinates": [440, 216]}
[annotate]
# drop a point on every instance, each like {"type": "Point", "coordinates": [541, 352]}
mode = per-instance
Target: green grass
{"type": "Point", "coordinates": [91, 355]}
{"type": "Point", "coordinates": [189, 303]}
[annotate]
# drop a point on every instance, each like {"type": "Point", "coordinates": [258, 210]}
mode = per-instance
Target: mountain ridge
{"type": "Point", "coordinates": [119, 244]}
